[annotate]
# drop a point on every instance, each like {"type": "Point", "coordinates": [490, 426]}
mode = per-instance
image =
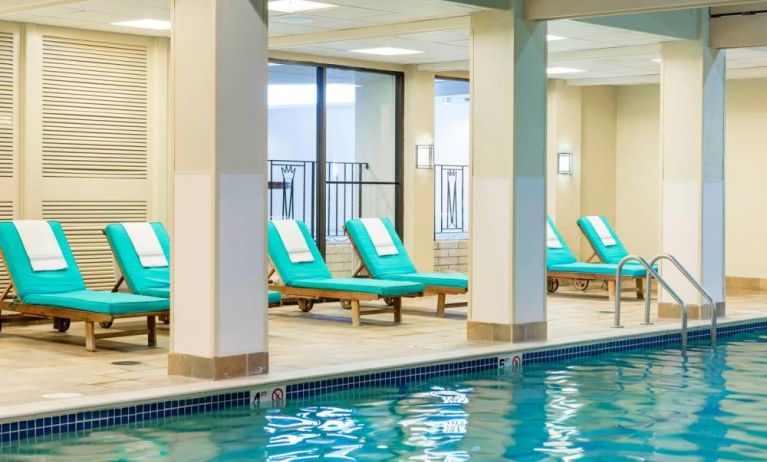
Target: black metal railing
{"type": "Point", "coordinates": [451, 201]}
{"type": "Point", "coordinates": [292, 189]}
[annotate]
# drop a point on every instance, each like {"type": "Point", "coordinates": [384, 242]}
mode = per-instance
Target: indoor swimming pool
{"type": "Point", "coordinates": [638, 405]}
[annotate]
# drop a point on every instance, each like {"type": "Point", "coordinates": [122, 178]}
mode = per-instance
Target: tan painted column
{"type": "Point", "coordinates": [418, 183]}
{"type": "Point", "coordinates": [692, 151]}
{"type": "Point", "coordinates": [219, 320]}
{"type": "Point", "coordinates": [508, 158]}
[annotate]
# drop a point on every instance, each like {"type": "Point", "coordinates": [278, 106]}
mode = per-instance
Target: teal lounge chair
{"type": "Point", "coordinates": [606, 252]}
{"type": "Point", "coordinates": [61, 294]}
{"type": "Point", "coordinates": [399, 266]}
{"type": "Point", "coordinates": [561, 263]}
{"type": "Point", "coordinates": [311, 280]}
{"type": "Point", "coordinates": [154, 281]}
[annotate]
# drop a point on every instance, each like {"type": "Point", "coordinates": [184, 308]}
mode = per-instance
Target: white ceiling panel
{"type": "Point", "coordinates": [601, 52]}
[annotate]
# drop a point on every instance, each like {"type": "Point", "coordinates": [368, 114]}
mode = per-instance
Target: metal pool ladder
{"type": "Point", "coordinates": [651, 273]}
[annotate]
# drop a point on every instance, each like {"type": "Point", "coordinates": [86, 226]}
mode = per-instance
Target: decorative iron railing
{"type": "Point", "coordinates": [451, 201]}
{"type": "Point", "coordinates": [292, 190]}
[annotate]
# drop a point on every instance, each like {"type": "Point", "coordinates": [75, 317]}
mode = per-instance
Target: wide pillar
{"type": "Point", "coordinates": [508, 158]}
{"type": "Point", "coordinates": [418, 182]}
{"type": "Point", "coordinates": [219, 300]}
{"type": "Point", "coordinates": [692, 150]}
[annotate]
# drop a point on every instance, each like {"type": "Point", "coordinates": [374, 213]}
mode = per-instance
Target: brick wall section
{"type": "Point", "coordinates": [339, 259]}
{"type": "Point", "coordinates": [451, 256]}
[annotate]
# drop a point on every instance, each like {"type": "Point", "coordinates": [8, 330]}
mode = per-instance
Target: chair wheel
{"type": "Point", "coordinates": [61, 324]}
{"type": "Point", "coordinates": [552, 285]}
{"type": "Point", "coordinates": [389, 301]}
{"type": "Point", "coordinates": [305, 305]}
{"type": "Point", "coordinates": [106, 324]}
{"type": "Point", "coordinates": [165, 319]}
{"type": "Point", "coordinates": [581, 284]}
{"type": "Point", "coordinates": [346, 304]}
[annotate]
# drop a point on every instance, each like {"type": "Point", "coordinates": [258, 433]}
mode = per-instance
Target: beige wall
{"type": "Point", "coordinates": [637, 168]}
{"type": "Point", "coordinates": [746, 188]}
{"type": "Point", "coordinates": [599, 114]}
{"type": "Point", "coordinates": [564, 135]}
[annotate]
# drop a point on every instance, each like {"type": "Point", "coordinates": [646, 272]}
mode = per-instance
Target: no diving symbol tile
{"type": "Point", "coordinates": [268, 397]}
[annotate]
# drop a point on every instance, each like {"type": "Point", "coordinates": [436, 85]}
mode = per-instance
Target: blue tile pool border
{"type": "Point", "coordinates": [80, 421]}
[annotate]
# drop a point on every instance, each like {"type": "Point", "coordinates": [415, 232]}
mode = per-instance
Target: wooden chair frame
{"type": "Point", "coordinates": [608, 278]}
{"type": "Point", "coordinates": [440, 291]}
{"type": "Point", "coordinates": [28, 312]}
{"type": "Point", "coordinates": [306, 295]}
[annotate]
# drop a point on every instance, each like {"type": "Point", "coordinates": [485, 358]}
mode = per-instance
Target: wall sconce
{"type": "Point", "coordinates": [424, 156]}
{"type": "Point", "coordinates": [565, 163]}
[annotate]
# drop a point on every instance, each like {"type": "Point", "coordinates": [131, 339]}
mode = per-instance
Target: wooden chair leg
{"type": "Point", "coordinates": [640, 288]}
{"type": "Point", "coordinates": [611, 290]}
{"type": "Point", "coordinates": [355, 313]}
{"type": "Point", "coordinates": [151, 325]}
{"type": "Point", "coordinates": [441, 305]}
{"type": "Point", "coordinates": [398, 309]}
{"type": "Point", "coordinates": [90, 336]}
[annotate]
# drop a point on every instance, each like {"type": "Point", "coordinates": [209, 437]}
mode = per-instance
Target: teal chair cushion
{"type": "Point", "coordinates": [26, 280]}
{"type": "Point", "coordinates": [558, 256]}
{"type": "Point", "coordinates": [113, 303]}
{"type": "Point", "coordinates": [380, 266]}
{"type": "Point", "coordinates": [457, 280]}
{"type": "Point", "coordinates": [382, 288]}
{"type": "Point", "coordinates": [160, 292]}
{"type": "Point", "coordinates": [608, 254]}
{"type": "Point", "coordinates": [274, 297]}
{"type": "Point", "coordinates": [599, 268]}
{"type": "Point", "coordinates": [289, 271]}
{"type": "Point", "coordinates": [140, 280]}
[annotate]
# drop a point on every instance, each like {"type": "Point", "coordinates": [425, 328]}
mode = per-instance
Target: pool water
{"type": "Point", "coordinates": [642, 405]}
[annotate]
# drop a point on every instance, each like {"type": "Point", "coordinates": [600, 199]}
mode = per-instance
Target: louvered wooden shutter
{"type": "Point", "coordinates": [7, 103]}
{"type": "Point", "coordinates": [6, 213]}
{"type": "Point", "coordinates": [94, 109]}
{"type": "Point", "coordinates": [83, 222]}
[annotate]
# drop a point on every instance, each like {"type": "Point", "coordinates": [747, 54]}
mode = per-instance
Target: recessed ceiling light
{"type": "Point", "coordinates": [387, 51]}
{"type": "Point", "coordinates": [656, 60]}
{"type": "Point", "coordinates": [554, 38]}
{"type": "Point", "coordinates": [295, 6]}
{"type": "Point", "coordinates": [153, 24]}
{"type": "Point", "coordinates": [562, 70]}
{"type": "Point", "coordinates": [296, 20]}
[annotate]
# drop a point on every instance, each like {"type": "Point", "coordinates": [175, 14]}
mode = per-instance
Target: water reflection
{"type": "Point", "coordinates": [632, 406]}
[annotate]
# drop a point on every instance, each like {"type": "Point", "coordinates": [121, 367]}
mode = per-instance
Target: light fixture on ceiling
{"type": "Point", "coordinates": [656, 60]}
{"type": "Point", "coordinates": [554, 38]}
{"type": "Point", "coordinates": [148, 23]}
{"type": "Point", "coordinates": [297, 6]}
{"type": "Point", "coordinates": [562, 70]}
{"type": "Point", "coordinates": [387, 51]}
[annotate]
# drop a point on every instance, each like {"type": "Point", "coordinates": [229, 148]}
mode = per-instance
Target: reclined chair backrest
{"type": "Point", "coordinates": [554, 255]}
{"type": "Point", "coordinates": [289, 271]}
{"type": "Point", "coordinates": [607, 253]}
{"type": "Point", "coordinates": [380, 266]}
{"type": "Point", "coordinates": [138, 278]}
{"type": "Point", "coordinates": [28, 281]}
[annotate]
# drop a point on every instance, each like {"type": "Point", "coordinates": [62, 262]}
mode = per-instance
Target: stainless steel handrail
{"type": "Point", "coordinates": [650, 273]}
{"type": "Point", "coordinates": [698, 287]}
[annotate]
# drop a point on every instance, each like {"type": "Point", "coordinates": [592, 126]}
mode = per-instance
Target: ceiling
{"type": "Point", "coordinates": [603, 54]}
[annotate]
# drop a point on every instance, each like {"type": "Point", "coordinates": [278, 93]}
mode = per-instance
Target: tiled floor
{"type": "Point", "coordinates": [39, 365]}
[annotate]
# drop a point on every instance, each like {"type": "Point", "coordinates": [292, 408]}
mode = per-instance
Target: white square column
{"type": "Point", "coordinates": [219, 298]}
{"type": "Point", "coordinates": [508, 158]}
{"type": "Point", "coordinates": [692, 151]}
